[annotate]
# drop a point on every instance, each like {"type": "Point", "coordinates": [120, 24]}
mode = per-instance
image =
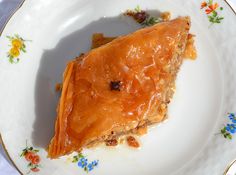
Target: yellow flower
{"type": "Point", "coordinates": [14, 52]}
{"type": "Point", "coordinates": [17, 43]}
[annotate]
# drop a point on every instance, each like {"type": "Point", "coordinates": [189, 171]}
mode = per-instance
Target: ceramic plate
{"type": "Point", "coordinates": [198, 137]}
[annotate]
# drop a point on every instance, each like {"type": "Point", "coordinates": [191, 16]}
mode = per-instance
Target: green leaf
{"type": "Point", "coordinates": [23, 50]}
{"type": "Point", "coordinates": [214, 13]}
{"type": "Point", "coordinates": [11, 60]}
{"type": "Point", "coordinates": [86, 169]}
{"type": "Point", "coordinates": [137, 9]}
{"type": "Point", "coordinates": [210, 17]}
{"type": "Point", "coordinates": [81, 155]}
{"type": "Point", "coordinates": [211, 20]}
{"type": "Point", "coordinates": [221, 8]}
{"type": "Point", "coordinates": [23, 45]}
{"type": "Point", "coordinates": [230, 136]}
{"type": "Point", "coordinates": [23, 153]}
{"type": "Point", "coordinates": [9, 37]}
{"type": "Point", "coordinates": [29, 165]}
{"type": "Point", "coordinates": [151, 21]}
{"type": "Point", "coordinates": [227, 135]}
{"type": "Point", "coordinates": [75, 159]}
{"type": "Point", "coordinates": [210, 2]}
{"type": "Point", "coordinates": [36, 165]}
{"type": "Point", "coordinates": [17, 36]}
{"type": "Point", "coordinates": [222, 131]}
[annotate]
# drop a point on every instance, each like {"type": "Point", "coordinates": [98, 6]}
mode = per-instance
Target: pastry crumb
{"type": "Point", "coordinates": [112, 142]}
{"type": "Point", "coordinates": [142, 130]}
{"type": "Point", "coordinates": [58, 87]}
{"type": "Point", "coordinates": [166, 16]}
{"type": "Point", "coordinates": [132, 142]}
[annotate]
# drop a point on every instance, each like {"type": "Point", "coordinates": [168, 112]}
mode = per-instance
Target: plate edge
{"type": "Point", "coordinates": [227, 3]}
{"type": "Point", "coordinates": [1, 139]}
{"type": "Point", "coordinates": [8, 155]}
{"type": "Point", "coordinates": [10, 16]}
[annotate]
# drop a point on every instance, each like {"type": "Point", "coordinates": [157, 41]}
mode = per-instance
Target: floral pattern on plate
{"type": "Point", "coordinates": [142, 17]}
{"type": "Point", "coordinates": [83, 163]}
{"type": "Point", "coordinates": [31, 155]}
{"type": "Point", "coordinates": [230, 128]}
{"type": "Point", "coordinates": [211, 9]}
{"type": "Point", "coordinates": [17, 46]}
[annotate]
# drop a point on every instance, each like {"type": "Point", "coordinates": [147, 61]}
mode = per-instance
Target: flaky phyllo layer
{"type": "Point", "coordinates": [119, 87]}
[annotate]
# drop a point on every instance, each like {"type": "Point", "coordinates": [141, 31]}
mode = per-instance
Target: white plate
{"type": "Point", "coordinates": [58, 30]}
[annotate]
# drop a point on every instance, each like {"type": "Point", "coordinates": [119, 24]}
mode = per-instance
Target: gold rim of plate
{"type": "Point", "coordinates": [1, 139]}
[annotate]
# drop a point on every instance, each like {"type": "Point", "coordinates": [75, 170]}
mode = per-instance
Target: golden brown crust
{"type": "Point", "coordinates": [98, 40]}
{"type": "Point", "coordinates": [190, 51]}
{"type": "Point", "coordinates": [146, 62]}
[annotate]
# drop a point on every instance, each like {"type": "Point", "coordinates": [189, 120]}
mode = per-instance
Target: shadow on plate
{"type": "Point", "coordinates": [53, 63]}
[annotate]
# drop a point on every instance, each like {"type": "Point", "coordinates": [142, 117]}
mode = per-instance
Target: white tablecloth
{"type": "Point", "coordinates": [6, 7]}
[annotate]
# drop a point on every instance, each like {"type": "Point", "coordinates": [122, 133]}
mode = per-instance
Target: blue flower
{"type": "Point", "coordinates": [95, 162]}
{"type": "Point", "coordinates": [231, 128]}
{"type": "Point", "coordinates": [92, 165]}
{"type": "Point", "coordinates": [82, 162]}
{"type": "Point", "coordinates": [232, 117]}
